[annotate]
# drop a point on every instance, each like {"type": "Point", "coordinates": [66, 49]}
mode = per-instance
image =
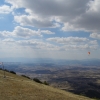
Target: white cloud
{"type": "Point", "coordinates": [74, 43]}
{"type": "Point", "coordinates": [47, 32]}
{"type": "Point", "coordinates": [94, 42]}
{"type": "Point", "coordinates": [8, 40]}
{"type": "Point", "coordinates": [95, 35]}
{"type": "Point", "coordinates": [81, 18]}
{"type": "Point", "coordinates": [31, 20]}
{"type": "Point", "coordinates": [72, 27]}
{"type": "Point", "coordinates": [20, 32]}
{"type": "Point", "coordinates": [75, 47]}
{"type": "Point", "coordinates": [15, 4]}
{"type": "Point", "coordinates": [68, 15]}
{"type": "Point", "coordinates": [24, 32]}
{"type": "Point", "coordinates": [47, 10]}
{"type": "Point", "coordinates": [94, 5]}
{"type": "Point", "coordinates": [74, 15]}
{"type": "Point", "coordinates": [80, 47]}
{"type": "Point", "coordinates": [68, 40]}
{"type": "Point", "coordinates": [4, 9]}
{"type": "Point", "coordinates": [39, 48]}
{"type": "Point", "coordinates": [36, 44]}
{"type": "Point", "coordinates": [4, 34]}
{"type": "Point", "coordinates": [86, 21]}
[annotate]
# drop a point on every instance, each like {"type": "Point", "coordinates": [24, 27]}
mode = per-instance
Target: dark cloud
{"type": "Point", "coordinates": [73, 14]}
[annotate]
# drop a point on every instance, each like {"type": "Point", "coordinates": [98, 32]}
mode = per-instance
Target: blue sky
{"type": "Point", "coordinates": [58, 29]}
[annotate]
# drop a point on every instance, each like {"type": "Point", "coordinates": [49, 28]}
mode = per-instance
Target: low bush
{"type": "Point", "coordinates": [26, 76]}
{"type": "Point", "coordinates": [45, 83]}
{"type": "Point", "coordinates": [37, 80]}
{"type": "Point", "coordinates": [0, 68]}
{"type": "Point", "coordinates": [12, 72]}
{"type": "Point", "coordinates": [6, 70]}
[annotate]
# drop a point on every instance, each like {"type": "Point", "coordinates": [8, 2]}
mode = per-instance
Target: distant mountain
{"type": "Point", "coordinates": [90, 62]}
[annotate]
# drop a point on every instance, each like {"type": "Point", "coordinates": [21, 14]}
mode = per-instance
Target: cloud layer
{"type": "Point", "coordinates": [68, 15]}
{"type": "Point", "coordinates": [24, 32]}
{"type": "Point", "coordinates": [74, 15]}
{"type": "Point", "coordinates": [4, 9]}
{"type": "Point", "coordinates": [46, 25]}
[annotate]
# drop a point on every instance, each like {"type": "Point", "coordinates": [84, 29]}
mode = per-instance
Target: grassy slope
{"type": "Point", "coordinates": [15, 87]}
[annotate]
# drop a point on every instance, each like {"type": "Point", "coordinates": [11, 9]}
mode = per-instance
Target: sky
{"type": "Point", "coordinates": [57, 29]}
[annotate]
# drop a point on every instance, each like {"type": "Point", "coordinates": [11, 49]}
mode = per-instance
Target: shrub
{"type": "Point", "coordinates": [12, 72]}
{"type": "Point", "coordinates": [26, 76]}
{"type": "Point", "coordinates": [6, 70]}
{"type": "Point", "coordinates": [0, 68]}
{"type": "Point", "coordinates": [45, 83]}
{"type": "Point", "coordinates": [37, 80]}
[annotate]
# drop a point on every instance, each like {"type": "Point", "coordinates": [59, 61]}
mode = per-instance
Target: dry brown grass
{"type": "Point", "coordinates": [15, 87]}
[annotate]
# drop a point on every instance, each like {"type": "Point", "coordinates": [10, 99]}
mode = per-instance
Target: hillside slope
{"type": "Point", "coordinates": [15, 87]}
